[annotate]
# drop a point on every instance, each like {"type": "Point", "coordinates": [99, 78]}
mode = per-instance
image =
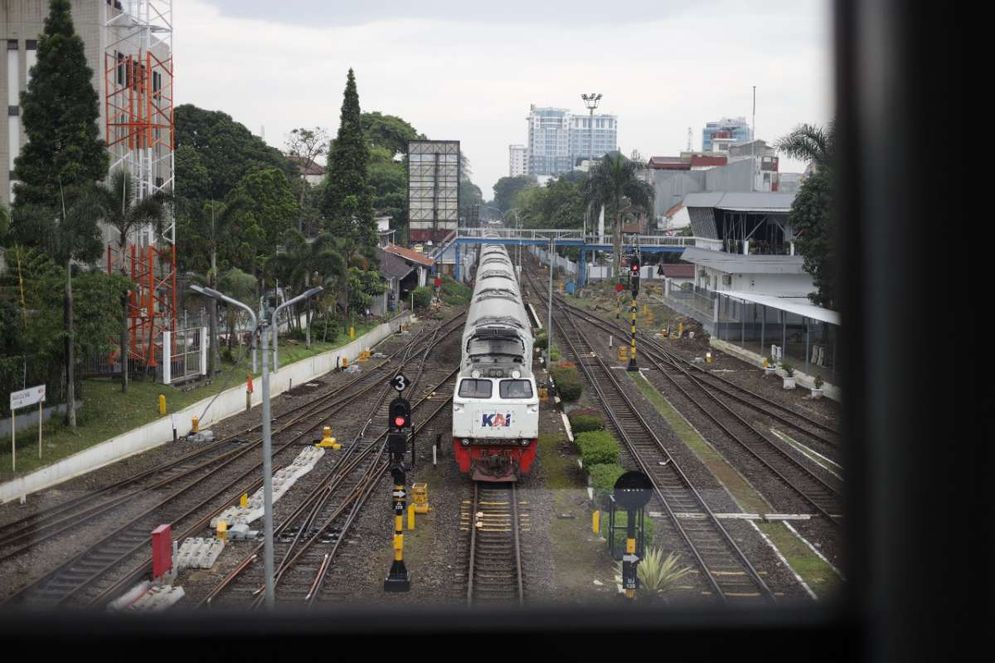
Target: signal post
{"type": "Point", "coordinates": [399, 429]}
{"type": "Point", "coordinates": [633, 309]}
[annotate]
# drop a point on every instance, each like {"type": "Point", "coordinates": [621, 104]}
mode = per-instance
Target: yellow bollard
{"type": "Point", "coordinates": [543, 393]}
{"type": "Point", "coordinates": [222, 530]}
{"type": "Point", "coordinates": [596, 522]}
{"type": "Point", "coordinates": [411, 517]}
{"type": "Point", "coordinates": [327, 440]}
{"type": "Point", "coordinates": [623, 353]}
{"type": "Point", "coordinates": [420, 492]}
{"type": "Point", "coordinates": [352, 331]}
{"type": "Point", "coordinates": [162, 404]}
{"type": "Point", "coordinates": [680, 329]}
{"type": "Point", "coordinates": [244, 501]}
{"type": "Point", "coordinates": [708, 357]}
{"type": "Point", "coordinates": [345, 362]}
{"type": "Point", "coordinates": [195, 424]}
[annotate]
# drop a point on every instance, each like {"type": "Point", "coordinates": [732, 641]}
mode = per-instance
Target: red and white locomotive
{"type": "Point", "coordinates": [496, 405]}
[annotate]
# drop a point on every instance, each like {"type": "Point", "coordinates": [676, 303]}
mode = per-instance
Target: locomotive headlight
{"type": "Point", "coordinates": [525, 443]}
{"type": "Point", "coordinates": [516, 373]}
{"type": "Point", "coordinates": [475, 373]}
{"type": "Point", "coordinates": [466, 442]}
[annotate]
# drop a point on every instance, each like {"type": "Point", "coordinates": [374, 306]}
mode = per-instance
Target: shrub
{"type": "Point", "coordinates": [568, 383]}
{"type": "Point", "coordinates": [581, 422]}
{"type": "Point", "coordinates": [597, 447]}
{"type": "Point", "coordinates": [818, 382]}
{"type": "Point", "coordinates": [454, 293]}
{"type": "Point", "coordinates": [789, 370]}
{"type": "Point", "coordinates": [325, 327]}
{"type": "Point", "coordinates": [423, 297]}
{"type": "Point", "coordinates": [541, 340]}
{"type": "Point", "coordinates": [603, 478]}
{"type": "Point", "coordinates": [554, 354]}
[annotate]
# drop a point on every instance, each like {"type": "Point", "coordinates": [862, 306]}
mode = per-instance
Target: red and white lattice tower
{"type": "Point", "coordinates": [140, 135]}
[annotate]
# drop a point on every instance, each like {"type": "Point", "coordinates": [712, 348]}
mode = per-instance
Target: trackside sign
{"type": "Point", "coordinates": [26, 397]}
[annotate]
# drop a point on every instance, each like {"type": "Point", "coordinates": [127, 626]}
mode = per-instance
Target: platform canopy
{"type": "Point", "coordinates": [796, 305]}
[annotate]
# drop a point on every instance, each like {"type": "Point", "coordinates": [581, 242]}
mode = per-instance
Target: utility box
{"type": "Point", "coordinates": [162, 550]}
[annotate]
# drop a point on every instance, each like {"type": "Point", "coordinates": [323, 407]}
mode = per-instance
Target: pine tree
{"type": "Point", "coordinates": [55, 202]}
{"type": "Point", "coordinates": [64, 153]}
{"type": "Point", "coordinates": [348, 201]}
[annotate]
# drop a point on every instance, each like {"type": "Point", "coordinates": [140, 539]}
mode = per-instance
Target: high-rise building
{"type": "Point", "coordinates": [726, 130]}
{"type": "Point", "coordinates": [549, 141]}
{"type": "Point", "coordinates": [518, 160]}
{"type": "Point", "coordinates": [559, 139]}
{"type": "Point", "coordinates": [600, 140]}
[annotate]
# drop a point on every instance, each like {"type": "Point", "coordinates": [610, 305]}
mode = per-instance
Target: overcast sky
{"type": "Point", "coordinates": [467, 71]}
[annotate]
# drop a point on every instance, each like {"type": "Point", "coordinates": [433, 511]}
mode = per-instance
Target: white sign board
{"type": "Point", "coordinates": [26, 397]}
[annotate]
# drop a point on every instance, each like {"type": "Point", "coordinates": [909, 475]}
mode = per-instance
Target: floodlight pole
{"type": "Point", "coordinates": [591, 101]}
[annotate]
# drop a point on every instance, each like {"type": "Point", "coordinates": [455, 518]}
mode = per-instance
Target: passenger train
{"type": "Point", "coordinates": [496, 404]}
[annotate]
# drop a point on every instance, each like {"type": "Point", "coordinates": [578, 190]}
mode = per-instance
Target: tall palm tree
{"type": "Point", "coordinates": [807, 142]}
{"type": "Point", "coordinates": [304, 263]}
{"type": "Point", "coordinates": [121, 210]}
{"type": "Point", "coordinates": [614, 183]}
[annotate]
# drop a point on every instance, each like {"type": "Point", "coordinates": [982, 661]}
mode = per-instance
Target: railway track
{"type": "Point", "coordinates": [23, 534]}
{"type": "Point", "coordinates": [494, 571]}
{"type": "Point", "coordinates": [307, 541]}
{"type": "Point", "coordinates": [81, 576]}
{"type": "Point", "coordinates": [723, 565]}
{"type": "Point", "coordinates": [817, 487]}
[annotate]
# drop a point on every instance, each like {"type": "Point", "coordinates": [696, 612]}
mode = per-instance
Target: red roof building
{"type": "Point", "coordinates": [410, 255]}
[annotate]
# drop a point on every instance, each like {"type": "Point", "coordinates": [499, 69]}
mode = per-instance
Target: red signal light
{"type": "Point", "coordinates": [399, 422]}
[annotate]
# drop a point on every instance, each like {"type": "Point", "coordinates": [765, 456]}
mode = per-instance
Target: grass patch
{"type": "Point", "coordinates": [740, 489]}
{"type": "Point", "coordinates": [107, 412]}
{"type": "Point", "coordinates": [559, 472]}
{"type": "Point", "coordinates": [814, 571]}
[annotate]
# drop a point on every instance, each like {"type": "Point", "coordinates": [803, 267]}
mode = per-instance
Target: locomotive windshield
{"type": "Point", "coordinates": [471, 388]}
{"type": "Point", "coordinates": [516, 389]}
{"type": "Point", "coordinates": [496, 347]}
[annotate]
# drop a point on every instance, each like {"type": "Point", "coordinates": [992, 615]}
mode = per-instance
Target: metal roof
{"type": "Point", "coordinates": [735, 263]}
{"type": "Point", "coordinates": [797, 305]}
{"type": "Point", "coordinates": [742, 201]}
{"type": "Point", "coordinates": [393, 266]}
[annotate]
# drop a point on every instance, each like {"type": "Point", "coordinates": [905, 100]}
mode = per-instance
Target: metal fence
{"type": "Point", "coordinates": [185, 352]}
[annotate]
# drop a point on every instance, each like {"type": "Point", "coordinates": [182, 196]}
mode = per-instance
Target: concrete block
{"type": "Point", "coordinates": [199, 553]}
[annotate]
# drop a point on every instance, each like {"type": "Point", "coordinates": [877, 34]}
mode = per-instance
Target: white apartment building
{"type": "Point", "coordinates": [518, 160]}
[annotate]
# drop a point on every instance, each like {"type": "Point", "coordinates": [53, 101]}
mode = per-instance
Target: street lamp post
{"type": "Point", "coordinates": [261, 325]}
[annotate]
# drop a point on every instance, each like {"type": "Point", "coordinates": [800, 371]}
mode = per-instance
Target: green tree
{"type": "Point", "coordinates": [122, 211]}
{"type": "Point", "coordinates": [348, 203]}
{"type": "Point", "coordinates": [227, 150]}
{"type": "Point", "coordinates": [507, 188]}
{"type": "Point", "coordinates": [241, 286]}
{"type": "Point", "coordinates": [304, 148]}
{"type": "Point", "coordinates": [265, 201]}
{"type": "Point", "coordinates": [811, 212]}
{"type": "Point", "coordinates": [304, 263]}
{"type": "Point", "coordinates": [389, 132]}
{"type": "Point", "coordinates": [615, 184]}
{"type": "Point", "coordinates": [57, 170]}
{"type": "Point", "coordinates": [4, 224]}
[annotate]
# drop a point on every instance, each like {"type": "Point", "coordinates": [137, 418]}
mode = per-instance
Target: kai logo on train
{"type": "Point", "coordinates": [495, 420]}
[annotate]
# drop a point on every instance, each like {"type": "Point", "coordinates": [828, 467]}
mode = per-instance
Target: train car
{"type": "Point", "coordinates": [496, 404]}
